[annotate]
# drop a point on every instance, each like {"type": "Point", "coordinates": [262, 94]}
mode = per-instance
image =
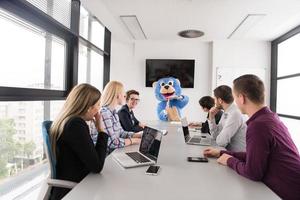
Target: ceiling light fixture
{"type": "Point", "coordinates": [245, 25]}
{"type": "Point", "coordinates": [190, 33]}
{"type": "Point", "coordinates": [134, 27]}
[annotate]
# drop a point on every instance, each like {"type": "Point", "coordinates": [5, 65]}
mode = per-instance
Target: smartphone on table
{"type": "Point", "coordinates": [197, 159]}
{"type": "Point", "coordinates": [152, 170]}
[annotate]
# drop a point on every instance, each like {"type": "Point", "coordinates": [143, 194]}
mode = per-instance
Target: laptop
{"type": "Point", "coordinates": [148, 151]}
{"type": "Point", "coordinates": [196, 139]}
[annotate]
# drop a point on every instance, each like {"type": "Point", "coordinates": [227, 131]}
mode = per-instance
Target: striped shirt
{"type": "Point", "coordinates": [112, 126]}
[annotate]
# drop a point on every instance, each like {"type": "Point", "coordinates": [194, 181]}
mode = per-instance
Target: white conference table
{"type": "Point", "coordinates": [177, 178]}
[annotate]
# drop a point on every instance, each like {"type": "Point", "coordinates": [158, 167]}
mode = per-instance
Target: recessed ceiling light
{"type": "Point", "coordinates": [190, 33]}
{"type": "Point", "coordinates": [245, 25]}
{"type": "Point", "coordinates": [134, 27]}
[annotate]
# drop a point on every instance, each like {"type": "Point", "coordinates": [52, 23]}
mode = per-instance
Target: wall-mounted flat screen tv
{"type": "Point", "coordinates": [181, 69]}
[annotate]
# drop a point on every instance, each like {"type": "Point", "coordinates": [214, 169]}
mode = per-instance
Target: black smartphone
{"type": "Point", "coordinates": [152, 170]}
{"type": "Point", "coordinates": [197, 159]}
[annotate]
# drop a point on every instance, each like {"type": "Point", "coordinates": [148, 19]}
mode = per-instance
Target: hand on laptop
{"type": "Point", "coordinates": [131, 141]}
{"type": "Point", "coordinates": [195, 124]}
{"type": "Point", "coordinates": [138, 134]}
{"type": "Point", "coordinates": [136, 140]}
{"type": "Point", "coordinates": [211, 152]}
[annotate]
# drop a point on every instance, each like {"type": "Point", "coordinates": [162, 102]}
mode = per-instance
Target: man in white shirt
{"type": "Point", "coordinates": [231, 130]}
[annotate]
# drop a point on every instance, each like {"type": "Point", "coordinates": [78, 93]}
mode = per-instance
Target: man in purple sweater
{"type": "Point", "coordinates": [271, 156]}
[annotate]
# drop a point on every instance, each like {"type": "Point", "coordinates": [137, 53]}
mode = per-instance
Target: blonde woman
{"type": "Point", "coordinates": [76, 155]}
{"type": "Point", "coordinates": [114, 95]}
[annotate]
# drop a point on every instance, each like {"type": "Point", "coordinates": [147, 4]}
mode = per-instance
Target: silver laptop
{"type": "Point", "coordinates": [147, 154]}
{"type": "Point", "coordinates": [196, 139]}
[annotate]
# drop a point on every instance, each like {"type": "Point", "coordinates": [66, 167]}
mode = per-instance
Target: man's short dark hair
{"type": "Point", "coordinates": [251, 86]}
{"type": "Point", "coordinates": [224, 92]}
{"type": "Point", "coordinates": [130, 92]}
{"type": "Point", "coordinates": [207, 102]}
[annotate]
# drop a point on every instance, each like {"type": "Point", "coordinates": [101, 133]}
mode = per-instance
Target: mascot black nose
{"type": "Point", "coordinates": [166, 87]}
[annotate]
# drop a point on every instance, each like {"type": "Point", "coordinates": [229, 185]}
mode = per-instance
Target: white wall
{"type": "Point", "coordinates": [242, 54]}
{"type": "Point", "coordinates": [131, 71]}
{"type": "Point", "coordinates": [128, 61]}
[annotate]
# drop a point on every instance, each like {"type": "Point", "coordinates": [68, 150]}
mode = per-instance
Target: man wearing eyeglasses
{"type": "Point", "coordinates": [126, 116]}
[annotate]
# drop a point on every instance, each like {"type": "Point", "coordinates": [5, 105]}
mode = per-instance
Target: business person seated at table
{"type": "Point", "coordinates": [206, 103]}
{"type": "Point", "coordinates": [113, 96]}
{"type": "Point", "coordinates": [271, 155]}
{"type": "Point", "coordinates": [126, 115]}
{"type": "Point", "coordinates": [76, 155]}
{"type": "Point", "coordinates": [231, 130]}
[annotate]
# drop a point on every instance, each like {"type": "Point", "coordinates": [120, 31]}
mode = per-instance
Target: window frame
{"type": "Point", "coordinates": [30, 13]}
{"type": "Point", "coordinates": [26, 11]}
{"type": "Point", "coordinates": [274, 69]}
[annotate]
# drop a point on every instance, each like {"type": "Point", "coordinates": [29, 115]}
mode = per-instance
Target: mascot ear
{"type": "Point", "coordinates": [154, 84]}
{"type": "Point", "coordinates": [177, 80]}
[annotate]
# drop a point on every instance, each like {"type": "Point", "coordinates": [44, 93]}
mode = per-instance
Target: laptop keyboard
{"type": "Point", "coordinates": [195, 140]}
{"type": "Point", "coordinates": [137, 157]}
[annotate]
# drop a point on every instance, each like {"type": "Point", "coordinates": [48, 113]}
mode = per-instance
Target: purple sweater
{"type": "Point", "coordinates": [270, 157]}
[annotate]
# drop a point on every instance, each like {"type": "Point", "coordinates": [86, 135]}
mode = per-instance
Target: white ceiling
{"type": "Point", "coordinates": [163, 19]}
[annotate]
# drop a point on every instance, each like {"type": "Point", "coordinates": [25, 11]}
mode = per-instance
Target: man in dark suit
{"type": "Point", "coordinates": [207, 102]}
{"type": "Point", "coordinates": [126, 115]}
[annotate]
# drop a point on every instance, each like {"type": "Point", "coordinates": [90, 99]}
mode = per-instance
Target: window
{"type": "Point", "coordinates": [22, 160]}
{"type": "Point", "coordinates": [38, 69]}
{"type": "Point", "coordinates": [55, 108]}
{"type": "Point", "coordinates": [91, 29]}
{"type": "Point", "coordinates": [286, 97]}
{"type": "Point", "coordinates": [285, 76]}
{"type": "Point", "coordinates": [60, 10]}
{"type": "Point", "coordinates": [97, 35]}
{"type": "Point", "coordinates": [288, 56]}
{"type": "Point", "coordinates": [90, 59]}
{"type": "Point", "coordinates": [90, 67]}
{"type": "Point", "coordinates": [28, 70]}
{"type": "Point", "coordinates": [294, 127]}
{"type": "Point", "coordinates": [84, 22]}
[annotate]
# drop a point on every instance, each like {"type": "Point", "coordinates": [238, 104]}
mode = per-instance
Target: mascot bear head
{"type": "Point", "coordinates": [167, 87]}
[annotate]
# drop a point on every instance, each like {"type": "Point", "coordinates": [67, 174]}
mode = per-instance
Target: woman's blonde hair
{"type": "Point", "coordinates": [111, 90]}
{"type": "Point", "coordinates": [80, 99]}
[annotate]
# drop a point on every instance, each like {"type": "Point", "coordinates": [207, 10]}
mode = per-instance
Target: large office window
{"type": "Point", "coordinates": [91, 43]}
{"type": "Point", "coordinates": [90, 67]}
{"type": "Point", "coordinates": [24, 59]}
{"type": "Point", "coordinates": [23, 164]}
{"type": "Point", "coordinates": [285, 80]}
{"type": "Point", "coordinates": [43, 55]}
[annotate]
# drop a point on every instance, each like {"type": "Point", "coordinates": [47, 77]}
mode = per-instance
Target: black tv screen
{"type": "Point", "coordinates": [160, 68]}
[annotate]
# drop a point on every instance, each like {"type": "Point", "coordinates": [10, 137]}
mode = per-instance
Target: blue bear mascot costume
{"type": "Point", "coordinates": [168, 92]}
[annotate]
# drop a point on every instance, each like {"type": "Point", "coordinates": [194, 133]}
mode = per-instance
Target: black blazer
{"type": "Point", "coordinates": [76, 154]}
{"type": "Point", "coordinates": [205, 126]}
{"type": "Point", "coordinates": [128, 120]}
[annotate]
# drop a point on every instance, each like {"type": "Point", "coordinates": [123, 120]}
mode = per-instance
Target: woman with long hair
{"type": "Point", "coordinates": [76, 155]}
{"type": "Point", "coordinates": [113, 96]}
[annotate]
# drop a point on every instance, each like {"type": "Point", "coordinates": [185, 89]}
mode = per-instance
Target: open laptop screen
{"type": "Point", "coordinates": [150, 143]}
{"type": "Point", "coordinates": [185, 128]}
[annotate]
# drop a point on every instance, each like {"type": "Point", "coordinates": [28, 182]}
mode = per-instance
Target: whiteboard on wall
{"type": "Point", "coordinates": [226, 75]}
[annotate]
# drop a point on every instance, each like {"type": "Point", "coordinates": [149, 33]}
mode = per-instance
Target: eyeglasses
{"type": "Point", "coordinates": [133, 99]}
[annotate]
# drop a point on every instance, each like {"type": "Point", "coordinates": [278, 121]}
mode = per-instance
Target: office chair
{"type": "Point", "coordinates": [51, 181]}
